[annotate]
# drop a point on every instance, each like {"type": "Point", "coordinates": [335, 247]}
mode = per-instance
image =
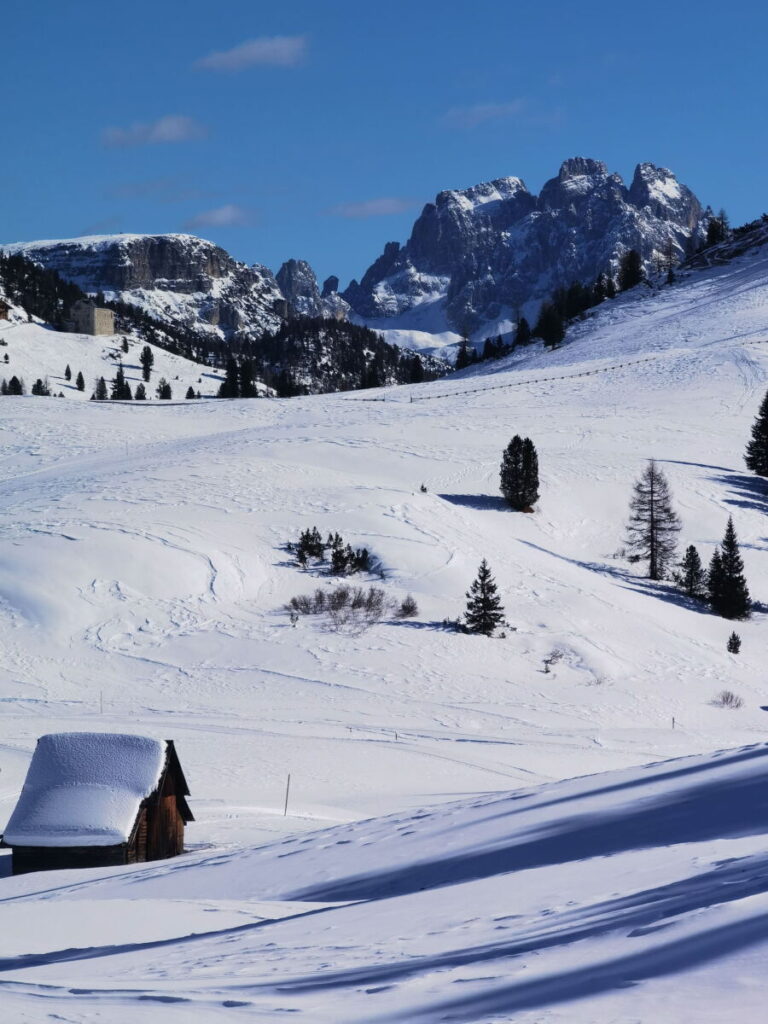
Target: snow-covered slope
{"type": "Point", "coordinates": [604, 898]}
{"type": "Point", "coordinates": [479, 257]}
{"type": "Point", "coordinates": [35, 351]}
{"type": "Point", "coordinates": [142, 573]}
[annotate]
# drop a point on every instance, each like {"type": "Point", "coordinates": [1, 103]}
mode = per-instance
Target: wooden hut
{"type": "Point", "coordinates": [96, 799]}
{"type": "Point", "coordinates": [5, 309]}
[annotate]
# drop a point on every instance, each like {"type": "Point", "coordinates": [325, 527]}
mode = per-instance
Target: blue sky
{"type": "Point", "coordinates": [317, 130]}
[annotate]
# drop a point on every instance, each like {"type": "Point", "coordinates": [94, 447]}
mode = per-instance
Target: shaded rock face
{"type": "Point", "coordinates": [495, 249]}
{"type": "Point", "coordinates": [298, 284]}
{"type": "Point", "coordinates": [178, 279]}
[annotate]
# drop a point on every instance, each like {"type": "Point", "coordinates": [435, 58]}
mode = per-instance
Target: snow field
{"type": "Point", "coordinates": [142, 574]}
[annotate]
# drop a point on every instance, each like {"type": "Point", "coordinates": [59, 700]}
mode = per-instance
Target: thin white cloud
{"type": "Point", "coordinates": [169, 129]}
{"type": "Point", "coordinates": [226, 216]}
{"type": "Point", "coordinates": [275, 51]}
{"type": "Point", "coordinates": [479, 113]}
{"type": "Point", "coordinates": [384, 207]}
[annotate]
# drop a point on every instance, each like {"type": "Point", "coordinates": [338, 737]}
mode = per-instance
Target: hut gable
{"type": "Point", "coordinates": [99, 798]}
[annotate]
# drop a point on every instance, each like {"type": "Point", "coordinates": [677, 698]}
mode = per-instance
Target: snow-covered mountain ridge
{"type": "Point", "coordinates": [179, 279]}
{"type": "Point", "coordinates": [478, 257]}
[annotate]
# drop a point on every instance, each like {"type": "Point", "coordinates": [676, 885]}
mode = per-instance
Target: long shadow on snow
{"type": "Point", "coordinates": [750, 492]}
{"type": "Point", "coordinates": [652, 588]}
{"type": "Point", "coordinates": [711, 810]}
{"type": "Point", "coordinates": [482, 502]}
{"type": "Point", "coordinates": [594, 979]}
{"type": "Point", "coordinates": [637, 913]}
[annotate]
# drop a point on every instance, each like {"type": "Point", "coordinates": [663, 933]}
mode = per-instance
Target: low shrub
{"type": "Point", "coordinates": [728, 699]}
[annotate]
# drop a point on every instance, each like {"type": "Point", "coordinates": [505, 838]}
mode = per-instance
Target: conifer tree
{"type": "Point", "coordinates": [549, 326]}
{"type": "Point", "coordinates": [101, 394]}
{"type": "Point", "coordinates": [523, 332]}
{"type": "Point", "coordinates": [80, 381]}
{"type": "Point", "coordinates": [715, 580]}
{"type": "Point", "coordinates": [67, 373]}
{"type": "Point", "coordinates": [630, 270]}
{"type": "Point", "coordinates": [141, 392]}
{"type": "Point", "coordinates": [121, 389]}
{"type": "Point", "coordinates": [610, 288]}
{"type": "Point", "coordinates": [653, 523]}
{"type": "Point", "coordinates": [164, 389]}
{"type": "Point", "coordinates": [466, 355]}
{"type": "Point", "coordinates": [756, 456]}
{"type": "Point", "coordinates": [734, 643]}
{"type": "Point", "coordinates": [484, 611]}
{"type": "Point", "coordinates": [15, 386]}
{"type": "Point", "coordinates": [190, 392]}
{"type": "Point", "coordinates": [230, 386]}
{"type": "Point", "coordinates": [147, 360]}
{"type": "Point", "coordinates": [520, 474]}
{"type": "Point", "coordinates": [690, 574]}
{"type": "Point", "coordinates": [728, 591]}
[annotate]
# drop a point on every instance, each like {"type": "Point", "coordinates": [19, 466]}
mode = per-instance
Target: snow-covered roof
{"type": "Point", "coordinates": [85, 789]}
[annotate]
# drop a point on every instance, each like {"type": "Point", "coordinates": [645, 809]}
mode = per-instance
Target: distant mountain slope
{"type": "Point", "coordinates": [178, 279]}
{"type": "Point", "coordinates": [479, 255]}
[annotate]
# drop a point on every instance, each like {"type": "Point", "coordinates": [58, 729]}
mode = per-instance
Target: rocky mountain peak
{"type": "Point", "coordinates": [480, 255]}
{"type": "Point", "coordinates": [298, 284]}
{"type": "Point", "coordinates": [578, 166]}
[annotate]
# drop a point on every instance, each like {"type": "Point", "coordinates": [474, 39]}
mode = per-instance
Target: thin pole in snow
{"type": "Point", "coordinates": [287, 791]}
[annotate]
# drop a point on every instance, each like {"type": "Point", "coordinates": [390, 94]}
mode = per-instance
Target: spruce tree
{"type": "Point", "coordinates": [121, 389]}
{"type": "Point", "coordinates": [756, 456]}
{"type": "Point", "coordinates": [68, 373]}
{"type": "Point", "coordinates": [190, 392]}
{"type": "Point", "coordinates": [519, 477]}
{"type": "Point", "coordinates": [731, 598]}
{"type": "Point", "coordinates": [164, 389]}
{"type": "Point", "coordinates": [630, 270]}
{"type": "Point", "coordinates": [549, 326]}
{"type": "Point", "coordinates": [101, 394]}
{"type": "Point", "coordinates": [734, 643]}
{"type": "Point", "coordinates": [484, 611]}
{"type": "Point", "coordinates": [523, 332]}
{"type": "Point", "coordinates": [715, 580]}
{"type": "Point", "coordinates": [80, 382]}
{"type": "Point", "coordinates": [653, 523]}
{"type": "Point", "coordinates": [15, 386]}
{"type": "Point", "coordinates": [147, 359]}
{"type": "Point", "coordinates": [141, 392]}
{"type": "Point", "coordinates": [230, 386]}
{"type": "Point", "coordinates": [691, 576]}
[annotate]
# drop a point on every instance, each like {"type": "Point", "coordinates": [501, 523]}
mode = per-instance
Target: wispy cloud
{"type": "Point", "coordinates": [108, 226]}
{"type": "Point", "coordinates": [479, 113]}
{"type": "Point", "coordinates": [373, 207]}
{"type": "Point", "coordinates": [162, 190]}
{"type": "Point", "coordinates": [275, 51]}
{"type": "Point", "coordinates": [169, 129]}
{"type": "Point", "coordinates": [226, 216]}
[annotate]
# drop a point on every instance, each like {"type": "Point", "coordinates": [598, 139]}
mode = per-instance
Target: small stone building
{"type": "Point", "coordinates": [5, 309]}
{"type": "Point", "coordinates": [98, 799]}
{"type": "Point", "coordinates": [88, 318]}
